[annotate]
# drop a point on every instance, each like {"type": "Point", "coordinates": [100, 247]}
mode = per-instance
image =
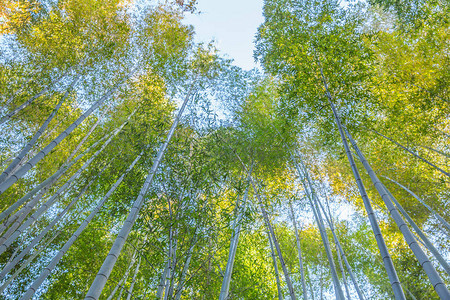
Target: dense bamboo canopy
{"type": "Point", "coordinates": [139, 164]}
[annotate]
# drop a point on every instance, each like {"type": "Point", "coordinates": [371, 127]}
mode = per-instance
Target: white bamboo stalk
{"type": "Point", "coordinates": [162, 281]}
{"type": "Point", "coordinates": [275, 266]}
{"type": "Point", "coordinates": [240, 209]}
{"type": "Point", "coordinates": [102, 276]}
{"type": "Point", "coordinates": [310, 286]}
{"type": "Point", "coordinates": [173, 269]}
{"type": "Point", "coordinates": [414, 154]}
{"type": "Point", "coordinates": [313, 200]}
{"type": "Point", "coordinates": [29, 101]}
{"type": "Point", "coordinates": [299, 251]}
{"type": "Point", "coordinates": [320, 224]}
{"type": "Point", "coordinates": [42, 209]}
{"type": "Point", "coordinates": [428, 244]}
{"type": "Point", "coordinates": [429, 269]}
{"type": "Point", "coordinates": [384, 252]}
{"type": "Point", "coordinates": [445, 223]}
{"type": "Point", "coordinates": [10, 99]}
{"type": "Point", "coordinates": [32, 162]}
{"type": "Point", "coordinates": [133, 281]}
{"type": "Point", "coordinates": [45, 185]}
{"type": "Point", "coordinates": [27, 262]}
{"type": "Point", "coordinates": [25, 150]}
{"type": "Point", "coordinates": [435, 150]}
{"type": "Point", "coordinates": [48, 182]}
{"type": "Point", "coordinates": [170, 264]}
{"type": "Point", "coordinates": [124, 278]}
{"type": "Point", "coordinates": [181, 283]}
{"type": "Point", "coordinates": [336, 242]}
{"type": "Point", "coordinates": [287, 278]}
{"type": "Point", "coordinates": [20, 215]}
{"type": "Point", "coordinates": [88, 134]}
{"type": "Point", "coordinates": [341, 253]}
{"type": "Point", "coordinates": [44, 232]}
{"type": "Point", "coordinates": [37, 283]}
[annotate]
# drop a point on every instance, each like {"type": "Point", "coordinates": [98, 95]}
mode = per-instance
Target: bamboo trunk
{"type": "Point", "coordinates": [47, 229]}
{"type": "Point", "coordinates": [234, 243]}
{"type": "Point", "coordinates": [181, 283]}
{"type": "Point", "coordinates": [320, 224]}
{"type": "Point", "coordinates": [28, 262]}
{"type": "Point", "coordinates": [445, 223]}
{"type": "Point", "coordinates": [299, 251]}
{"type": "Point", "coordinates": [277, 246]}
{"type": "Point", "coordinates": [341, 253]}
{"type": "Point", "coordinates": [384, 252]}
{"type": "Point", "coordinates": [32, 162]}
{"type": "Point", "coordinates": [10, 99]}
{"type": "Point", "coordinates": [37, 283]}
{"type": "Point", "coordinates": [414, 154]}
{"type": "Point", "coordinates": [42, 209]}
{"type": "Point", "coordinates": [275, 266]}
{"type": "Point", "coordinates": [161, 285]}
{"type": "Point", "coordinates": [428, 244]}
{"type": "Point", "coordinates": [25, 150]}
{"type": "Point", "coordinates": [121, 284]}
{"type": "Point", "coordinates": [313, 200]}
{"type": "Point", "coordinates": [169, 264]}
{"type": "Point", "coordinates": [130, 290]}
{"type": "Point", "coordinates": [124, 278]}
{"type": "Point", "coordinates": [46, 183]}
{"type": "Point", "coordinates": [429, 269]}
{"type": "Point", "coordinates": [435, 150]}
{"type": "Point", "coordinates": [102, 276]}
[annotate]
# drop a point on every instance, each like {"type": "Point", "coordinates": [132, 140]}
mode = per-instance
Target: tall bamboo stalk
{"type": "Point", "coordinates": [445, 223]}
{"type": "Point", "coordinates": [133, 281]}
{"type": "Point", "coordinates": [384, 252]}
{"type": "Point", "coordinates": [42, 209]}
{"type": "Point", "coordinates": [124, 278]}
{"type": "Point", "coordinates": [171, 261]}
{"type": "Point", "coordinates": [32, 162]}
{"type": "Point", "coordinates": [102, 276]}
{"type": "Point", "coordinates": [37, 283]}
{"type": "Point", "coordinates": [29, 101]}
{"type": "Point", "coordinates": [47, 229]}
{"type": "Point", "coordinates": [341, 252]}
{"type": "Point", "coordinates": [91, 130]}
{"type": "Point", "coordinates": [240, 209]}
{"type": "Point", "coordinates": [275, 267]}
{"type": "Point", "coordinates": [162, 281]}
{"type": "Point", "coordinates": [287, 278]}
{"type": "Point", "coordinates": [299, 251]}
{"type": "Point", "coordinates": [181, 283]}
{"type": "Point", "coordinates": [26, 149]}
{"type": "Point", "coordinates": [320, 224]}
{"type": "Point", "coordinates": [435, 150]}
{"type": "Point", "coordinates": [46, 183]}
{"type": "Point", "coordinates": [428, 244]}
{"type": "Point", "coordinates": [414, 154]}
{"type": "Point", "coordinates": [429, 269]}
{"type": "Point", "coordinates": [28, 261]}
{"type": "Point", "coordinates": [313, 200]}
{"type": "Point", "coordinates": [11, 98]}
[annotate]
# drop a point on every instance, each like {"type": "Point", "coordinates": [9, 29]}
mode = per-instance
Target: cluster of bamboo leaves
{"type": "Point", "coordinates": [137, 164]}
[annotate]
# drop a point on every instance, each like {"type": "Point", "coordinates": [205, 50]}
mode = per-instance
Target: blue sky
{"type": "Point", "coordinates": [232, 24]}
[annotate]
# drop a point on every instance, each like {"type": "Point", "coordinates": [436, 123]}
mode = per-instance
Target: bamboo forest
{"type": "Point", "coordinates": [139, 163]}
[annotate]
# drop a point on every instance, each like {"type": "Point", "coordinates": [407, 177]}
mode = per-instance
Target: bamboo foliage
{"type": "Point", "coordinates": [138, 164]}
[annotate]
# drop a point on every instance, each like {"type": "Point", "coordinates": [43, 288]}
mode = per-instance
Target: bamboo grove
{"type": "Point", "coordinates": [138, 164]}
